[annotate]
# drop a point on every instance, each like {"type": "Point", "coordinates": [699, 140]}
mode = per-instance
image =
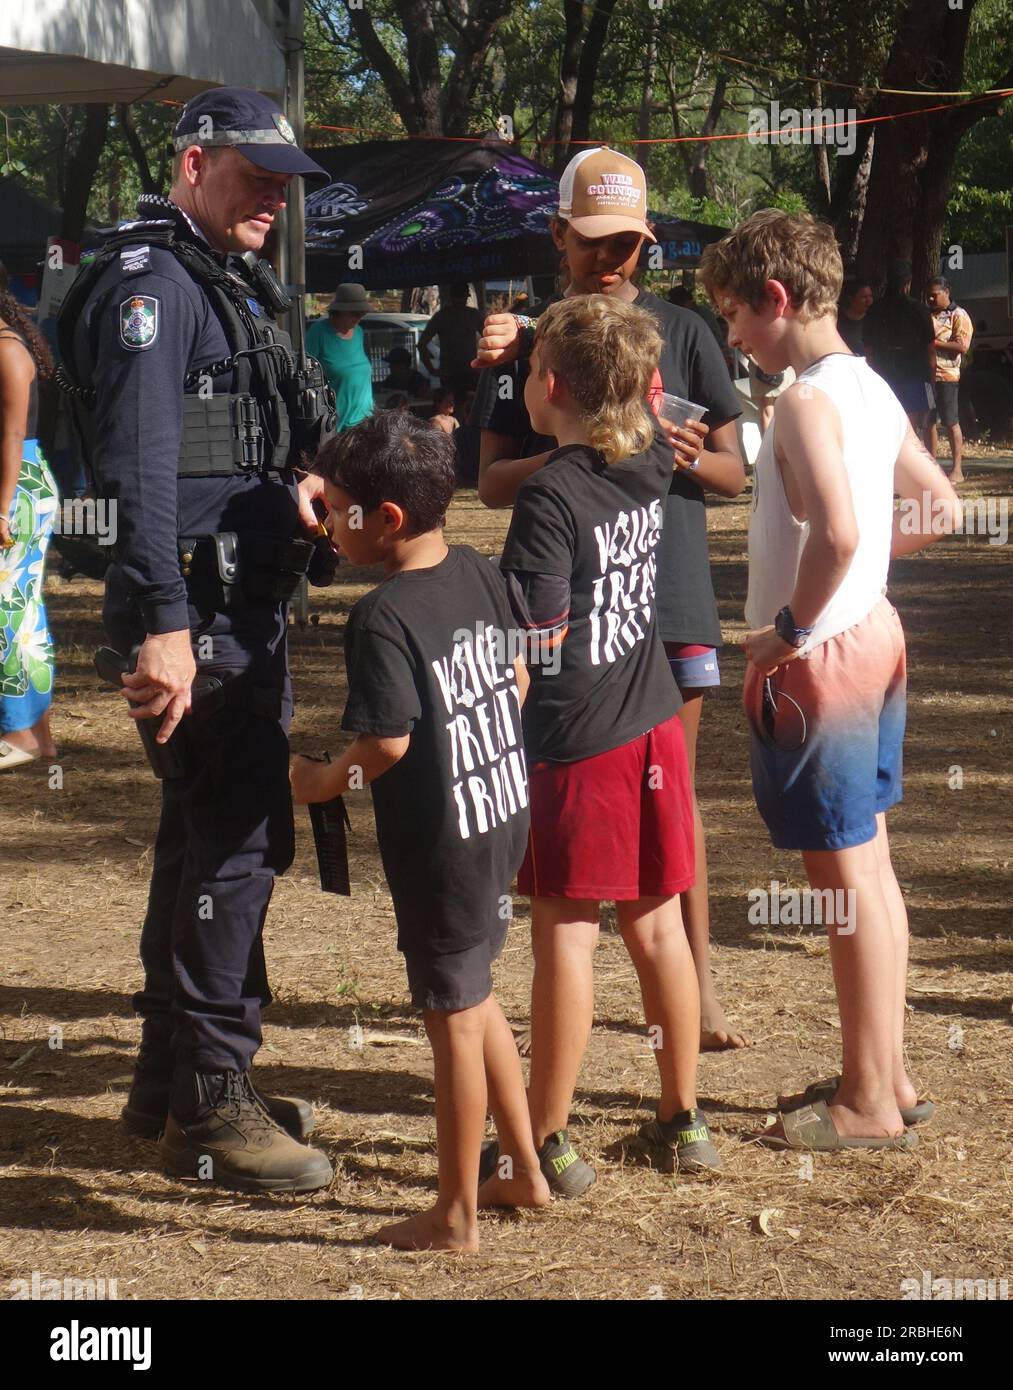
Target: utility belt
{"type": "Point", "coordinates": [223, 436]}
{"type": "Point", "coordinates": [254, 568]}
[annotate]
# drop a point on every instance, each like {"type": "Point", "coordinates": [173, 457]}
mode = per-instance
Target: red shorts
{"type": "Point", "coordinates": [615, 827]}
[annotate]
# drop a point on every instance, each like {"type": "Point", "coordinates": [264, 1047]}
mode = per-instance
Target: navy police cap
{"type": "Point", "coordinates": [250, 123]}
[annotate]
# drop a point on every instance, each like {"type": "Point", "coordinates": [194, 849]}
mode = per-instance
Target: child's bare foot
{"type": "Point", "coordinates": [522, 1037]}
{"type": "Point", "coordinates": [956, 477]}
{"type": "Point", "coordinates": [716, 1034]}
{"type": "Point", "coordinates": [430, 1230]}
{"type": "Point", "coordinates": [524, 1189]}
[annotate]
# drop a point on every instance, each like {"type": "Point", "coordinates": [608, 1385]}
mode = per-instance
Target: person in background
{"type": "Point", "coordinates": [457, 327]}
{"type": "Point", "coordinates": [337, 344]}
{"type": "Point", "coordinates": [28, 502]}
{"type": "Point", "coordinates": [402, 375]}
{"type": "Point", "coordinates": [898, 340]}
{"type": "Point", "coordinates": [954, 332]}
{"type": "Point", "coordinates": [682, 298]}
{"type": "Point", "coordinates": [443, 416]}
{"type": "Point", "coordinates": [855, 302]}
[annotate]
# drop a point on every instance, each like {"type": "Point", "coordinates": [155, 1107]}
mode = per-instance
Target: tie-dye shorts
{"type": "Point", "coordinates": [827, 735]}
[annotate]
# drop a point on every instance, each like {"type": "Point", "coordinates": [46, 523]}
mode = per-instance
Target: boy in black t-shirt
{"type": "Point", "coordinates": [435, 704]}
{"type": "Point", "coordinates": [611, 802]}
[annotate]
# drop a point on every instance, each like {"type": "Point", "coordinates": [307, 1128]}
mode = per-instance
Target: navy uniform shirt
{"type": "Point", "coordinates": [146, 324]}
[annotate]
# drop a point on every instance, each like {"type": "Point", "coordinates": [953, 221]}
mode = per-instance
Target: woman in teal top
{"type": "Point", "coordinates": [337, 344]}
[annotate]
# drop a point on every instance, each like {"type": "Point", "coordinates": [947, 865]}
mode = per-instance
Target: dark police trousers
{"type": "Point", "coordinates": [226, 830]}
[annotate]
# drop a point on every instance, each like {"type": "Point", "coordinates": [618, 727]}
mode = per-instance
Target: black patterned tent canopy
{"type": "Point", "coordinates": [423, 212]}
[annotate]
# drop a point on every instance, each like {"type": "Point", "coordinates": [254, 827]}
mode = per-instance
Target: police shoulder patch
{"type": "Point", "coordinates": [138, 321]}
{"type": "Point", "coordinates": [134, 259]}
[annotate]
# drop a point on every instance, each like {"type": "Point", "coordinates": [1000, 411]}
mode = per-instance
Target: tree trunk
{"type": "Point", "coordinates": [569, 67]}
{"type": "Point", "coordinates": [912, 164]}
{"type": "Point", "coordinates": [819, 149]}
{"type": "Point", "coordinates": [587, 75]}
{"type": "Point", "coordinates": [148, 184]}
{"type": "Point", "coordinates": [698, 170]}
{"type": "Point", "coordinates": [81, 170]}
{"type": "Point", "coordinates": [643, 151]}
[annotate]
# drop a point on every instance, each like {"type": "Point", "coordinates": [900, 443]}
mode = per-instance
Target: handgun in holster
{"type": "Point", "coordinates": [174, 757]}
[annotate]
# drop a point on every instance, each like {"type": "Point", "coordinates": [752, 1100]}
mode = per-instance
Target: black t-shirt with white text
{"type": "Point", "coordinates": [599, 526]}
{"type": "Point", "coordinates": [428, 654]}
{"type": "Point", "coordinates": [692, 366]}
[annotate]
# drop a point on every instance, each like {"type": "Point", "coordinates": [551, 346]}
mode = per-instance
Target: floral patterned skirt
{"type": "Point", "coordinates": [26, 651]}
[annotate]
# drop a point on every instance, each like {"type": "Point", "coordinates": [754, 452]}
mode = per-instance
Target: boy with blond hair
{"type": "Point", "coordinates": [826, 675]}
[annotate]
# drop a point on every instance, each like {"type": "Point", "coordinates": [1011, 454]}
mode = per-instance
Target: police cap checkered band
{"type": "Point", "coordinates": [251, 123]}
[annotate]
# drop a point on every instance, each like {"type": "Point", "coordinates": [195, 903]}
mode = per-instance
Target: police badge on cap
{"type": "Point", "coordinates": [251, 123]}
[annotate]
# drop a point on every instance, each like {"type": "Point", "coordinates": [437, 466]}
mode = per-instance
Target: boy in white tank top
{"type": "Point", "coordinates": [826, 676]}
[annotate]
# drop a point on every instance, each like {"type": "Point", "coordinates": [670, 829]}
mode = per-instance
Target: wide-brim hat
{"type": "Point", "coordinates": [350, 299]}
{"type": "Point", "coordinates": [251, 123]}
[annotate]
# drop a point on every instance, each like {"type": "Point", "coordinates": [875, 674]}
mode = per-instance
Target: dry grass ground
{"type": "Point", "coordinates": [80, 1198]}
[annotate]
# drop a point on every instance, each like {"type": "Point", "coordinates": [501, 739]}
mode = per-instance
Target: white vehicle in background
{"type": "Point", "coordinates": [381, 332]}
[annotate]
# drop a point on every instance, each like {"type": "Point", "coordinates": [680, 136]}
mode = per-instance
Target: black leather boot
{"type": "Point", "coordinates": [147, 1107]}
{"type": "Point", "coordinates": [220, 1131]}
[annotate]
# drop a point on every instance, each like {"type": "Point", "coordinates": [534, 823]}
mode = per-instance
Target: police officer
{"type": "Point", "coordinates": [190, 397]}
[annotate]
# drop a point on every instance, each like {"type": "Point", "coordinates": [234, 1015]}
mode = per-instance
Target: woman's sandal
{"type": "Point", "coordinates": [11, 756]}
{"type": "Point", "coordinates": [812, 1127]}
{"type": "Point", "coordinates": [827, 1089]}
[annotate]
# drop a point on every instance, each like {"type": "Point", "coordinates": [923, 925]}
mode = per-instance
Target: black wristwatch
{"type": "Point", "coordinates": [788, 631]}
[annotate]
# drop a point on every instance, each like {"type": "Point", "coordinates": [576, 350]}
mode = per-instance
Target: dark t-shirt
{"type": "Point", "coordinates": [458, 330]}
{"type": "Point", "coordinates": [853, 332]}
{"type": "Point", "coordinates": [691, 366]}
{"type": "Point", "coordinates": [898, 333]}
{"type": "Point", "coordinates": [428, 654]}
{"type": "Point", "coordinates": [599, 526]}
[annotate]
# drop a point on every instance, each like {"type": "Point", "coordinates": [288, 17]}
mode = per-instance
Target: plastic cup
{"type": "Point", "coordinates": [678, 411]}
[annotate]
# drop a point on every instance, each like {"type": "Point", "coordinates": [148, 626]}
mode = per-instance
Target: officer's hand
{"type": "Point", "coordinates": [162, 680]}
{"type": "Point", "coordinates": [310, 488]}
{"type": "Point", "coordinates": [499, 341]}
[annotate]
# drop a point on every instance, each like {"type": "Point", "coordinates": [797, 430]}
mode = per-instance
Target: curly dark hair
{"type": "Point", "coordinates": [14, 314]}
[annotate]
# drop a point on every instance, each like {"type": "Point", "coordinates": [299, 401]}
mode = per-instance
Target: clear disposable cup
{"type": "Point", "coordinates": [679, 411]}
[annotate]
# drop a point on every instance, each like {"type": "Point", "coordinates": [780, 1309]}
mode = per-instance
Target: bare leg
{"type": "Point", "coordinates": [518, 1180]}
{"type": "Point", "coordinates": [653, 934]}
{"type": "Point", "coordinates": [957, 449]}
{"type": "Point", "coordinates": [932, 439]}
{"type": "Point", "coordinates": [452, 1224]}
{"type": "Point", "coordinates": [903, 1089]}
{"type": "Point", "coordinates": [865, 963]}
{"type": "Point", "coordinates": [715, 1033]}
{"type": "Point", "coordinates": [37, 740]}
{"type": "Point", "coordinates": [42, 731]}
{"type": "Point", "coordinates": [564, 933]}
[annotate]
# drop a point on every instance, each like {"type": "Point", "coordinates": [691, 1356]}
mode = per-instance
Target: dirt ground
{"type": "Point", "coordinates": [79, 1198]}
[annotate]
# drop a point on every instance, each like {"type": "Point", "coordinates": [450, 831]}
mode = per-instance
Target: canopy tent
{"type": "Point", "coordinates": [26, 224]}
{"type": "Point", "coordinates": [128, 50]}
{"type": "Point", "coordinates": [682, 241]}
{"type": "Point", "coordinates": [400, 213]}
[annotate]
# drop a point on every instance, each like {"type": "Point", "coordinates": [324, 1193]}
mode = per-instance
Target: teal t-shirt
{"type": "Point", "coordinates": [346, 368]}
